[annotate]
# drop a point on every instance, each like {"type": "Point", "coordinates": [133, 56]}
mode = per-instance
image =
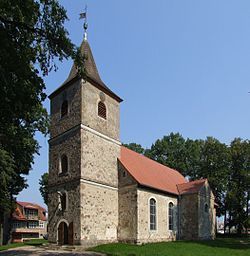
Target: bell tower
{"type": "Point", "coordinates": [83, 151]}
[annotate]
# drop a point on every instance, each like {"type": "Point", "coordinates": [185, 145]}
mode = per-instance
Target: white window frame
{"type": "Point", "coordinates": [31, 212]}
{"type": "Point", "coordinates": [32, 224]}
{"type": "Point", "coordinates": [41, 224]}
{"type": "Point", "coordinates": [170, 202]}
{"type": "Point", "coordinates": [156, 215]}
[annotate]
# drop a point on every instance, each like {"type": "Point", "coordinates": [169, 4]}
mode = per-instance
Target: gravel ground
{"type": "Point", "coordinates": [39, 251]}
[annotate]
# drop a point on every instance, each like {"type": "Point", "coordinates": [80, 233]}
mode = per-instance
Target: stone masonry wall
{"type": "Point", "coordinates": [127, 231]}
{"type": "Point", "coordinates": [99, 214]}
{"type": "Point", "coordinates": [189, 216]}
{"type": "Point", "coordinates": [162, 233]}
{"type": "Point", "coordinates": [90, 99]}
{"type": "Point", "coordinates": [69, 215]}
{"type": "Point", "coordinates": [92, 146]}
{"type": "Point", "coordinates": [206, 219]}
{"type": "Point", "coordinates": [68, 144]}
{"type": "Point", "coordinates": [73, 95]}
{"type": "Point", "coordinates": [65, 139]}
{"type": "Point", "coordinates": [99, 159]}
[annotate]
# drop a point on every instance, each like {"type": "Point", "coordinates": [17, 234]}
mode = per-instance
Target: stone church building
{"type": "Point", "coordinates": [102, 192]}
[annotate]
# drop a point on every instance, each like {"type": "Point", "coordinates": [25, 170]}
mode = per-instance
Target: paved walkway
{"type": "Point", "coordinates": [39, 251]}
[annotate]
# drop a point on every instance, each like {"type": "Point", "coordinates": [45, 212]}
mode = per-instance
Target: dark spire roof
{"type": "Point", "coordinates": [92, 74]}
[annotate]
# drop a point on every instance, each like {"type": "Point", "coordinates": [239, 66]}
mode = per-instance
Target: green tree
{"type": "Point", "coordinates": [43, 182]}
{"type": "Point", "coordinates": [193, 156]}
{"type": "Point", "coordinates": [196, 159]}
{"type": "Point", "coordinates": [214, 165]}
{"type": "Point", "coordinates": [135, 147]}
{"type": "Point", "coordinates": [170, 151]}
{"type": "Point", "coordinates": [32, 38]}
{"type": "Point", "coordinates": [239, 183]}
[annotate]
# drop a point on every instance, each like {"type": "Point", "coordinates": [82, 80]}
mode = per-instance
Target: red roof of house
{"type": "Point", "coordinates": [150, 173]}
{"type": "Point", "coordinates": [18, 215]}
{"type": "Point", "coordinates": [191, 187]}
{"type": "Point", "coordinates": [31, 205]}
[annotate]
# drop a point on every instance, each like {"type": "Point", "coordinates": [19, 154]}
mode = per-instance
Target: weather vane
{"type": "Point", "coordinates": [83, 15]}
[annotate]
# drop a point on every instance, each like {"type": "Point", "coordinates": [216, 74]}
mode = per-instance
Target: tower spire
{"type": "Point", "coordinates": [83, 15]}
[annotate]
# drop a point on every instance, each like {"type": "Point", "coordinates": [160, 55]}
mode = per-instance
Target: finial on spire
{"type": "Point", "coordinates": [83, 15]}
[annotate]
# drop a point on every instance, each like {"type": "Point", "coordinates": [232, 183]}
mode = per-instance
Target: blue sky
{"type": "Point", "coordinates": [180, 66]}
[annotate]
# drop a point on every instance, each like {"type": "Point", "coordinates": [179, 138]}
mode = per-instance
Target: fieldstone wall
{"type": "Point", "coordinates": [65, 139]}
{"type": "Point", "coordinates": [99, 159]}
{"type": "Point", "coordinates": [197, 215]}
{"type": "Point", "coordinates": [127, 231]}
{"type": "Point", "coordinates": [90, 99]}
{"type": "Point", "coordinates": [71, 214]}
{"type": "Point", "coordinates": [188, 208]}
{"type": "Point", "coordinates": [99, 214]}
{"type": "Point", "coordinates": [162, 233]}
{"type": "Point", "coordinates": [206, 217]}
{"type": "Point", "coordinates": [73, 95]}
{"type": "Point", "coordinates": [92, 147]}
{"type": "Point", "coordinates": [70, 145]}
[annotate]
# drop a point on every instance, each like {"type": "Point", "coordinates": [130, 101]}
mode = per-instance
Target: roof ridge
{"type": "Point", "coordinates": [149, 172]}
{"type": "Point", "coordinates": [34, 204]}
{"type": "Point", "coordinates": [203, 179]}
{"type": "Point", "coordinates": [172, 169]}
{"type": "Point", "coordinates": [92, 73]}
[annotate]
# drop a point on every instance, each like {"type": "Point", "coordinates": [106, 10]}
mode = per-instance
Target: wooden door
{"type": "Point", "coordinates": [63, 236]}
{"type": "Point", "coordinates": [71, 233]}
{"type": "Point", "coordinates": [61, 233]}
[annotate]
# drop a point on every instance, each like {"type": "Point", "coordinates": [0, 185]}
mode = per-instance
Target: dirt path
{"type": "Point", "coordinates": [39, 251]}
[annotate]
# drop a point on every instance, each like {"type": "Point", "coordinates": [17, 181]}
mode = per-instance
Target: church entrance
{"type": "Point", "coordinates": [65, 233]}
{"type": "Point", "coordinates": [63, 236]}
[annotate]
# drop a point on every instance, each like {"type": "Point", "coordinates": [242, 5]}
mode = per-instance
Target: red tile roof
{"type": "Point", "coordinates": [31, 205]}
{"type": "Point", "coordinates": [18, 215]}
{"type": "Point", "coordinates": [150, 173]}
{"type": "Point", "coordinates": [191, 187]}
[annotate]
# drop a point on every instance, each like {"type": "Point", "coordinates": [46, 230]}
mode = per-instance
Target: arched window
{"type": "Point", "coordinates": [64, 201]}
{"type": "Point", "coordinates": [102, 112]}
{"type": "Point", "coordinates": [64, 108]}
{"type": "Point", "coordinates": [170, 216]}
{"type": "Point", "coordinates": [64, 164]}
{"type": "Point", "coordinates": [206, 208]}
{"type": "Point", "coordinates": [152, 213]}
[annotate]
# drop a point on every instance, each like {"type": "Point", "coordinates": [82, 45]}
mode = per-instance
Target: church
{"type": "Point", "coordinates": [101, 192]}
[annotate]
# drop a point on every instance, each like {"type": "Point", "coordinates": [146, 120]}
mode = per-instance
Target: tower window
{"type": "Point", "coordinates": [64, 108]}
{"type": "Point", "coordinates": [152, 213]}
{"type": "Point", "coordinates": [62, 201]}
{"type": "Point", "coordinates": [102, 112]}
{"type": "Point", "coordinates": [170, 216]}
{"type": "Point", "coordinates": [206, 208]}
{"type": "Point", "coordinates": [64, 164]}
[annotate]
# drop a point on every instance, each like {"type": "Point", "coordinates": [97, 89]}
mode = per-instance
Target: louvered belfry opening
{"type": "Point", "coordinates": [102, 110]}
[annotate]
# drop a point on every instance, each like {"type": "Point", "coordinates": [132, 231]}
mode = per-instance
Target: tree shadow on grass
{"type": "Point", "coordinates": [231, 243]}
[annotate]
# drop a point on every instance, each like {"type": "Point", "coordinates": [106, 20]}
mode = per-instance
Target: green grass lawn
{"type": "Point", "coordinates": [33, 242]}
{"type": "Point", "coordinates": [218, 247]}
